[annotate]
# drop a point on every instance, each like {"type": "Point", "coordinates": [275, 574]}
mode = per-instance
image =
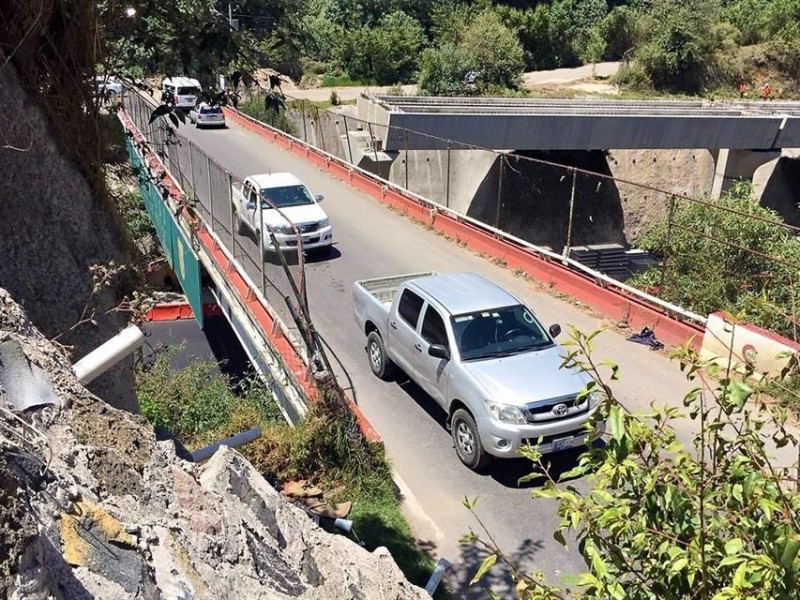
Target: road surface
{"type": "Point", "coordinates": [373, 241]}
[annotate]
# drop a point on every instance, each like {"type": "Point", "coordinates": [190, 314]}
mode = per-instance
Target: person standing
{"type": "Point", "coordinates": [742, 87]}
{"type": "Point", "coordinates": [766, 91]}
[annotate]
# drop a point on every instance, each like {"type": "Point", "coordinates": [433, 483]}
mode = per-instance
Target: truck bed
{"type": "Point", "coordinates": [384, 288]}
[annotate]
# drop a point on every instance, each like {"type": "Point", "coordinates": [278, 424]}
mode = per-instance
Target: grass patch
{"type": "Point", "coordinates": [199, 406]}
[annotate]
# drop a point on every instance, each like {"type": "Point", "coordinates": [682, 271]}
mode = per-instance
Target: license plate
{"type": "Point", "coordinates": [562, 444]}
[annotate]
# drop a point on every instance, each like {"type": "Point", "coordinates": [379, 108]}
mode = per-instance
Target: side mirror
{"type": "Point", "coordinates": [555, 330]}
{"type": "Point", "coordinates": [319, 197]}
{"type": "Point", "coordinates": [251, 205]}
{"type": "Point", "coordinates": [439, 351]}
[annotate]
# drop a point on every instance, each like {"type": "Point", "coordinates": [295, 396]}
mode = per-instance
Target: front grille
{"type": "Point", "coordinates": [539, 412]}
{"type": "Point", "coordinates": [307, 227]}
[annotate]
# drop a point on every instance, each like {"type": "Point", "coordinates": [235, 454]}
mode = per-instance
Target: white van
{"type": "Point", "coordinates": [183, 90]}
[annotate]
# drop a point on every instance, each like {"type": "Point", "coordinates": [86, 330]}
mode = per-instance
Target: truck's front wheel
{"type": "Point", "coordinates": [467, 441]}
{"type": "Point", "coordinates": [381, 366]}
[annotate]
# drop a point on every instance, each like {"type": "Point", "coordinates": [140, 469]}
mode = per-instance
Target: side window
{"type": "Point", "coordinates": [433, 329]}
{"type": "Point", "coordinates": [410, 307]}
{"type": "Point", "coordinates": [252, 197]}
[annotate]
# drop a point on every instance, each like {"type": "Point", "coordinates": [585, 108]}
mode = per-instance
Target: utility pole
{"type": "Point", "coordinates": [230, 16]}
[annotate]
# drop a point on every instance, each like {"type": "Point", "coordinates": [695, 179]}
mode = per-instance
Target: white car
{"type": "Point", "coordinates": [284, 191]}
{"type": "Point", "coordinates": [204, 115]}
{"type": "Point", "coordinates": [107, 85]}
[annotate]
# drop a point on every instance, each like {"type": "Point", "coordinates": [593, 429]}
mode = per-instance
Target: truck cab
{"type": "Point", "coordinates": [483, 356]}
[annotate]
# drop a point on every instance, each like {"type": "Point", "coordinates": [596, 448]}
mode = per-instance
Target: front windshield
{"type": "Point", "coordinates": [498, 332]}
{"type": "Point", "coordinates": [282, 197]}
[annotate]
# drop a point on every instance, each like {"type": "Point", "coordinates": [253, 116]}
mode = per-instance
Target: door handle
{"type": "Point", "coordinates": [418, 347]}
{"type": "Point", "coordinates": [393, 325]}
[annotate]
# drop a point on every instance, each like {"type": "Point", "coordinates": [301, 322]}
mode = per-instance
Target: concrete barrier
{"type": "Point", "coordinates": [727, 342]}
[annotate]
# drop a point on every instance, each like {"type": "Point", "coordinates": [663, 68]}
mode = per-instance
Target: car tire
{"type": "Point", "coordinates": [380, 364]}
{"type": "Point", "coordinates": [240, 226]}
{"type": "Point", "coordinates": [467, 441]}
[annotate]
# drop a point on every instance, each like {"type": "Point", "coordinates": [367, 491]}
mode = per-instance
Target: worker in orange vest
{"type": "Point", "coordinates": [742, 88]}
{"type": "Point", "coordinates": [766, 91]}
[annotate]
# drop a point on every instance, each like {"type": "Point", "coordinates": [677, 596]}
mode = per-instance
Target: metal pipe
{"type": "Point", "coordinates": [101, 359]}
{"type": "Point", "coordinates": [234, 441]}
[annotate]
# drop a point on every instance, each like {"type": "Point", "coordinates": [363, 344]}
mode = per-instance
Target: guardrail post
{"type": "Point", "coordinates": [499, 192]}
{"type": "Point", "coordinates": [665, 249]}
{"type": "Point", "coordinates": [233, 225]}
{"type": "Point", "coordinates": [303, 109]}
{"type": "Point", "coordinates": [447, 192]}
{"type": "Point", "coordinates": [406, 156]}
{"type": "Point", "coordinates": [191, 172]}
{"type": "Point", "coordinates": [210, 191]}
{"type": "Point", "coordinates": [571, 213]}
{"type": "Point", "coordinates": [347, 136]}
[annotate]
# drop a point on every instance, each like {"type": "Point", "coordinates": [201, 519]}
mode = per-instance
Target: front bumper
{"type": "Point", "coordinates": [503, 440]}
{"type": "Point", "coordinates": [311, 241]}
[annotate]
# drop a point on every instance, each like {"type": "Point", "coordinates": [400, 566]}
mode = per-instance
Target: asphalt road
{"type": "Point", "coordinates": [372, 241]}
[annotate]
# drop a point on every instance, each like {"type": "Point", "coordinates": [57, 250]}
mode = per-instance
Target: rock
{"type": "Point", "coordinates": [95, 507]}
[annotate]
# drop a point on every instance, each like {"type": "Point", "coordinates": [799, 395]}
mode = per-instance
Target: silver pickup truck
{"type": "Point", "coordinates": [482, 355]}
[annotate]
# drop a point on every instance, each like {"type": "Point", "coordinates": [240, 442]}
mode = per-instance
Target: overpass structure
{"type": "Point", "coordinates": [438, 123]}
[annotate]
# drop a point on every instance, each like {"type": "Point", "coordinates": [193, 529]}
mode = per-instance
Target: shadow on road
{"type": "Point", "coordinates": [506, 472]}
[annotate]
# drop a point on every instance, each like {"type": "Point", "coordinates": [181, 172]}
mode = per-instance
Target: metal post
{"type": "Point", "coordinates": [372, 141]}
{"type": "Point", "coordinates": [305, 132]}
{"type": "Point", "coordinates": [210, 191]}
{"type": "Point", "coordinates": [665, 250]}
{"type": "Point", "coordinates": [233, 223]}
{"type": "Point", "coordinates": [347, 136]}
{"type": "Point", "coordinates": [447, 193]}
{"type": "Point", "coordinates": [321, 133]}
{"type": "Point", "coordinates": [571, 213]}
{"type": "Point", "coordinates": [191, 171]}
{"type": "Point", "coordinates": [261, 243]}
{"type": "Point", "coordinates": [499, 192]}
{"type": "Point", "coordinates": [406, 157]}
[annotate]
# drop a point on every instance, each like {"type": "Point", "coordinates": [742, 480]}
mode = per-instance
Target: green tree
{"type": "Point", "coordinates": [574, 23]}
{"type": "Point", "coordinates": [714, 521]}
{"type": "Point", "coordinates": [680, 43]}
{"type": "Point", "coordinates": [486, 48]}
{"type": "Point", "coordinates": [618, 29]}
{"type": "Point", "coordinates": [387, 53]}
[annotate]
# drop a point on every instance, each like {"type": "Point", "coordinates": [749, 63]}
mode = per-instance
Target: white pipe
{"type": "Point", "coordinates": [232, 442]}
{"type": "Point", "coordinates": [101, 359]}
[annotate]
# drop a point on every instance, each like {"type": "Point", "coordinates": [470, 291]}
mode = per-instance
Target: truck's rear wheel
{"type": "Point", "coordinates": [381, 366]}
{"type": "Point", "coordinates": [240, 228]}
{"type": "Point", "coordinates": [467, 441]}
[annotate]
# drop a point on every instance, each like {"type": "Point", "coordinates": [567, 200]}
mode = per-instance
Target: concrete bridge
{"type": "Point", "coordinates": [433, 123]}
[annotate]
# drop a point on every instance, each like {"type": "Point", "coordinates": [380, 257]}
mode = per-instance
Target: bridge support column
{"type": "Point", "coordinates": [732, 165]}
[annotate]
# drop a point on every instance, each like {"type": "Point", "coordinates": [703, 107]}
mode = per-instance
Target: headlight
{"type": "Point", "coordinates": [324, 223]}
{"type": "Point", "coordinates": [595, 398]}
{"type": "Point", "coordinates": [505, 413]}
{"type": "Point", "coordinates": [285, 229]}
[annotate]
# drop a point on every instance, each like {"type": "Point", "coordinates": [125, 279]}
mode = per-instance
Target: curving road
{"type": "Point", "coordinates": [372, 241]}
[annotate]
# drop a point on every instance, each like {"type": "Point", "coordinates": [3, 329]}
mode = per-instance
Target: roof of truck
{"type": "Point", "coordinates": [461, 293]}
{"type": "Point", "coordinates": [273, 180]}
{"type": "Point", "coordinates": [182, 81]}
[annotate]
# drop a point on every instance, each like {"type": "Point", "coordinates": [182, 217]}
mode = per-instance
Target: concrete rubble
{"type": "Point", "coordinates": [92, 505]}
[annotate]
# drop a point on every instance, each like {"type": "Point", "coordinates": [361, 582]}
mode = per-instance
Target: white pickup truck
{"type": "Point", "coordinates": [482, 355]}
{"type": "Point", "coordinates": [253, 203]}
